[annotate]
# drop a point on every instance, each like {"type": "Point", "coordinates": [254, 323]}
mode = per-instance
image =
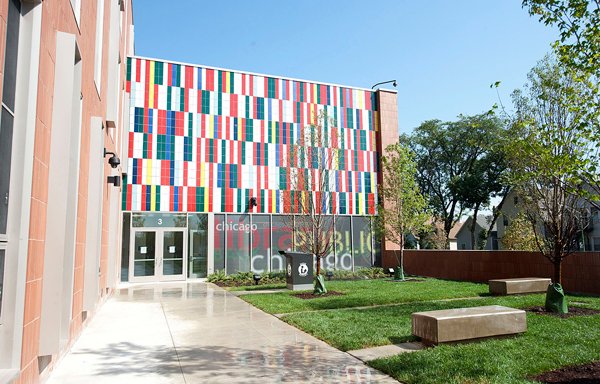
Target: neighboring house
{"type": "Point", "coordinates": [452, 236]}
{"type": "Point", "coordinates": [590, 235]}
{"type": "Point", "coordinates": [463, 235]}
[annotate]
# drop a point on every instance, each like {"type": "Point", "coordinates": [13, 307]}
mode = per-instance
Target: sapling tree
{"type": "Point", "coordinates": [547, 152]}
{"type": "Point", "coordinates": [310, 205]}
{"type": "Point", "coordinates": [403, 209]}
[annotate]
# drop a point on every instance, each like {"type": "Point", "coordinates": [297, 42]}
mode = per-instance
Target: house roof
{"type": "Point", "coordinates": [454, 231]}
{"type": "Point", "coordinates": [483, 221]}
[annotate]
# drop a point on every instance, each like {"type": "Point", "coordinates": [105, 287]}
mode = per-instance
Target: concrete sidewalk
{"type": "Point", "coordinates": [199, 333]}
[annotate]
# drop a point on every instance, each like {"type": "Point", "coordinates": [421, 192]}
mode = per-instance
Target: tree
{"type": "Point", "coordinates": [578, 22]}
{"type": "Point", "coordinates": [458, 166]}
{"type": "Point", "coordinates": [432, 237]}
{"type": "Point", "coordinates": [578, 50]}
{"type": "Point", "coordinates": [310, 205]}
{"type": "Point", "coordinates": [519, 235]}
{"type": "Point", "coordinates": [546, 154]}
{"type": "Point", "coordinates": [403, 210]}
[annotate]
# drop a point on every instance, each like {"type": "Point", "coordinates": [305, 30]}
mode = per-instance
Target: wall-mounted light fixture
{"type": "Point", "coordinates": [385, 82]}
{"type": "Point", "coordinates": [252, 203]}
{"type": "Point", "coordinates": [113, 161]}
{"type": "Point", "coordinates": [114, 180]}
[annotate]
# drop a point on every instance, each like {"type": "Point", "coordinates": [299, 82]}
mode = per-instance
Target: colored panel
{"type": "Point", "coordinates": [207, 139]}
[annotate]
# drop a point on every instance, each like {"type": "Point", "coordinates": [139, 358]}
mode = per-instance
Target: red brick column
{"type": "Point", "coordinates": [387, 133]}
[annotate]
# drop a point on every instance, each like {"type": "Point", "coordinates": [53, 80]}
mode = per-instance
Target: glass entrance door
{"type": "Point", "coordinates": [157, 255]}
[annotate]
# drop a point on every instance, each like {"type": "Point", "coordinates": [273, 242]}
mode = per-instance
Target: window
{"type": "Point", "coordinates": [282, 241]}
{"type": "Point", "coordinates": [516, 200]}
{"type": "Point", "coordinates": [7, 116]}
{"type": "Point", "coordinates": [237, 229]}
{"type": "Point", "coordinates": [2, 253]}
{"type": "Point", "coordinates": [361, 239]}
{"type": "Point", "coordinates": [8, 107]}
{"type": "Point", "coordinates": [76, 5]}
{"type": "Point", "coordinates": [261, 243]}
{"type": "Point", "coordinates": [597, 244]}
{"type": "Point", "coordinates": [98, 48]}
{"type": "Point", "coordinates": [343, 243]}
{"type": "Point", "coordinates": [219, 243]}
{"type": "Point", "coordinates": [505, 221]}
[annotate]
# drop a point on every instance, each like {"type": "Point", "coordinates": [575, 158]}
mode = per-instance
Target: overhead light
{"type": "Point", "coordinates": [385, 82]}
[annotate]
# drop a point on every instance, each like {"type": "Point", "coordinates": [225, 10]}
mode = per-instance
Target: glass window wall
{"type": "Point", "coordinates": [281, 231]}
{"type": "Point", "coordinates": [243, 243]}
{"type": "Point", "coordinates": [261, 243]}
{"type": "Point", "coordinates": [361, 240]}
{"type": "Point", "coordinates": [219, 244]}
{"type": "Point", "coordinates": [237, 228]}
{"type": "Point", "coordinates": [343, 243]}
{"type": "Point", "coordinates": [198, 252]}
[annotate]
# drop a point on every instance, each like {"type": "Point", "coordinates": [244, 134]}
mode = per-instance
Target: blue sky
{"type": "Point", "coordinates": [444, 54]}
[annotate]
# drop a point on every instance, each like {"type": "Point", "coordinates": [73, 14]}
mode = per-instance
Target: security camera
{"type": "Point", "coordinates": [113, 161]}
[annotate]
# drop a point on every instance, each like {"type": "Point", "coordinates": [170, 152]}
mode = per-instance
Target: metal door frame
{"type": "Point", "coordinates": [159, 256]}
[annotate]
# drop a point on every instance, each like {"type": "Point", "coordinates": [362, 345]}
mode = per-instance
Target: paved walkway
{"type": "Point", "coordinates": [199, 333]}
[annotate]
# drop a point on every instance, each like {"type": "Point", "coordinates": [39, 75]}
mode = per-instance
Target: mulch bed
{"type": "Point", "coordinates": [579, 374]}
{"type": "Point", "coordinates": [573, 311]}
{"type": "Point", "coordinates": [310, 295]}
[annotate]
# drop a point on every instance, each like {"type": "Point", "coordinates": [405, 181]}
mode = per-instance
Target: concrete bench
{"type": "Point", "coordinates": [517, 286]}
{"type": "Point", "coordinates": [459, 324]}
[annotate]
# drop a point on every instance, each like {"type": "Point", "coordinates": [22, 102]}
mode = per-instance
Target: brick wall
{"type": "Point", "coordinates": [581, 270]}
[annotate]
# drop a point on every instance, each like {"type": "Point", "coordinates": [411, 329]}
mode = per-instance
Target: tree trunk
{"type": "Point", "coordinates": [558, 272]}
{"type": "Point", "coordinates": [317, 254]}
{"type": "Point", "coordinates": [473, 226]}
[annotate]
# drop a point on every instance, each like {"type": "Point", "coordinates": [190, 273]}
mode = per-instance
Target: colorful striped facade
{"type": "Point", "coordinates": [207, 140]}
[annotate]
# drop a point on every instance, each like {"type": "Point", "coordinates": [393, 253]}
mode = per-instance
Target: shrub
{"type": "Point", "coordinates": [245, 278]}
{"type": "Point", "coordinates": [218, 276]}
{"type": "Point", "coordinates": [360, 273]}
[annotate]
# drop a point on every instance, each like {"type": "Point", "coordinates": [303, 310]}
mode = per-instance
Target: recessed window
{"type": "Point", "coordinates": [7, 111]}
{"type": "Point", "coordinates": [98, 49]}
{"type": "Point", "coordinates": [76, 5]}
{"type": "Point", "coordinates": [2, 253]}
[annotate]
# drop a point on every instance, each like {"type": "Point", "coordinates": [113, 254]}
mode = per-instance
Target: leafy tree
{"type": "Point", "coordinates": [519, 235]}
{"type": "Point", "coordinates": [578, 50]}
{"type": "Point", "coordinates": [547, 153]}
{"type": "Point", "coordinates": [403, 210]}
{"type": "Point", "coordinates": [578, 22]}
{"type": "Point", "coordinates": [432, 237]}
{"type": "Point", "coordinates": [311, 162]}
{"type": "Point", "coordinates": [459, 165]}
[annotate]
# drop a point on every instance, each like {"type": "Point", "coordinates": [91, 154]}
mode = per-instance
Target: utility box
{"type": "Point", "coordinates": [299, 270]}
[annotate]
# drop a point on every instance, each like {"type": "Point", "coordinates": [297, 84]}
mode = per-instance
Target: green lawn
{"type": "Point", "coordinates": [549, 342]}
{"type": "Point", "coordinates": [361, 293]}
